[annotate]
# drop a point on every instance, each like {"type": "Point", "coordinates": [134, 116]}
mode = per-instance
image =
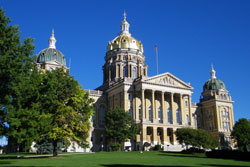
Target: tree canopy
{"type": "Point", "coordinates": [19, 81]}
{"type": "Point", "coordinates": [37, 104]}
{"type": "Point", "coordinates": [119, 126]}
{"type": "Point", "coordinates": [65, 108]}
{"type": "Point", "coordinates": [241, 133]}
{"type": "Point", "coordinates": [196, 138]}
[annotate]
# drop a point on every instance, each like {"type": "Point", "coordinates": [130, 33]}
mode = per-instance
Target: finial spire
{"type": "Point", "coordinates": [212, 72]}
{"type": "Point", "coordinates": [124, 15]}
{"type": "Point", "coordinates": [125, 26]}
{"type": "Point", "coordinates": [52, 40]}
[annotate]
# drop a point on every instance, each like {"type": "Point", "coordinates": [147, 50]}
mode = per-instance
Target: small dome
{"type": "Point", "coordinates": [50, 54]}
{"type": "Point", "coordinates": [214, 84]}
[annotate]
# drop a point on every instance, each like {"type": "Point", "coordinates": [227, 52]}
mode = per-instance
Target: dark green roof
{"type": "Point", "coordinates": [50, 54]}
{"type": "Point", "coordinates": [214, 84]}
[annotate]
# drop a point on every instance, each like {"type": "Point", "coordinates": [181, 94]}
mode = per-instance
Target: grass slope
{"type": "Point", "coordinates": [125, 159]}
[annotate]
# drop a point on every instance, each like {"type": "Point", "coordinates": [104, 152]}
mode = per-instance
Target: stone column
{"type": "Point", "coordinates": [190, 110]}
{"type": "Point", "coordinates": [117, 71]}
{"type": "Point", "coordinates": [165, 140]}
{"type": "Point", "coordinates": [182, 110]}
{"type": "Point", "coordinates": [174, 136]}
{"type": "Point", "coordinates": [121, 71]}
{"type": "Point", "coordinates": [172, 109]}
{"type": "Point", "coordinates": [109, 71]}
{"type": "Point", "coordinates": [163, 108]}
{"type": "Point", "coordinates": [143, 135]}
{"type": "Point", "coordinates": [143, 105]}
{"type": "Point", "coordinates": [153, 105]}
{"type": "Point", "coordinates": [155, 137]}
{"type": "Point", "coordinates": [125, 101]}
{"type": "Point", "coordinates": [134, 107]}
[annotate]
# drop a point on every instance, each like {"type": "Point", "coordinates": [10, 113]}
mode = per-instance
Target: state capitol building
{"type": "Point", "coordinates": [158, 104]}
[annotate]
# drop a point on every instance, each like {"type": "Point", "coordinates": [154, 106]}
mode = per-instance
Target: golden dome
{"type": "Point", "coordinates": [125, 40]}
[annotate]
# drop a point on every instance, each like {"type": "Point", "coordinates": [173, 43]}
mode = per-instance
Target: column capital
{"type": "Point", "coordinates": [162, 92]}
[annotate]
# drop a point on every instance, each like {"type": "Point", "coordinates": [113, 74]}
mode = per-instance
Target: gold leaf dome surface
{"type": "Point", "coordinates": [125, 42]}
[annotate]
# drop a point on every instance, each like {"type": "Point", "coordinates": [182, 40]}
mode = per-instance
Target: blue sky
{"type": "Point", "coordinates": [191, 35]}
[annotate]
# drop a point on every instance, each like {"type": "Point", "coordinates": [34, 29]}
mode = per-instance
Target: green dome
{"type": "Point", "coordinates": [50, 54]}
{"type": "Point", "coordinates": [214, 84]}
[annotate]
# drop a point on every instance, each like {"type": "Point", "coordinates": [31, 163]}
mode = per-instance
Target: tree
{"type": "Point", "coordinates": [196, 138]}
{"type": "Point", "coordinates": [18, 87]}
{"type": "Point", "coordinates": [65, 109]}
{"type": "Point", "coordinates": [186, 136]}
{"type": "Point", "coordinates": [206, 140]}
{"type": "Point", "coordinates": [119, 127]}
{"type": "Point", "coordinates": [241, 133]}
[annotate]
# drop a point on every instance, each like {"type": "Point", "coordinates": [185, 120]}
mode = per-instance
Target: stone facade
{"type": "Point", "coordinates": [159, 104]}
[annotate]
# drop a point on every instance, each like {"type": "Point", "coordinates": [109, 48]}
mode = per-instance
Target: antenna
{"type": "Point", "coordinates": [156, 56]}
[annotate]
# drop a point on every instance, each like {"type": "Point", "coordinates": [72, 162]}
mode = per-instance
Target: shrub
{"type": "Point", "coordinates": [157, 147]}
{"type": "Point", "coordinates": [115, 146]}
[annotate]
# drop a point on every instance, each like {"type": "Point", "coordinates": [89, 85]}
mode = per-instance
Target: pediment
{"type": "Point", "coordinates": [168, 79]}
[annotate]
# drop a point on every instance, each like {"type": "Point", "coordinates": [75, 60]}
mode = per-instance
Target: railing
{"type": "Point", "coordinates": [93, 92]}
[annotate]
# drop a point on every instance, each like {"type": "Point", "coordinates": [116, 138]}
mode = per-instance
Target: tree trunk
{"type": "Point", "coordinates": [55, 148]}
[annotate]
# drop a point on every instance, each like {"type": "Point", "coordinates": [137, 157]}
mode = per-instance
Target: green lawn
{"type": "Point", "coordinates": [125, 159]}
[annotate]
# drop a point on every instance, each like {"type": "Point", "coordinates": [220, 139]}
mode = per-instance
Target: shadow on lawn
{"type": "Point", "coordinates": [5, 162]}
{"type": "Point", "coordinates": [216, 165]}
{"type": "Point", "coordinates": [173, 154]}
{"type": "Point", "coordinates": [136, 165]}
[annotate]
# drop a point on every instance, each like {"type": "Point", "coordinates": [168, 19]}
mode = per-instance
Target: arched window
{"type": "Point", "coordinates": [178, 116]}
{"type": "Point", "coordinates": [134, 73]}
{"type": "Point", "coordinates": [140, 112]}
{"type": "Point", "coordinates": [101, 115]}
{"type": "Point", "coordinates": [224, 113]}
{"type": "Point", "coordinates": [150, 113]}
{"type": "Point", "coordinates": [125, 71]}
{"type": "Point", "coordinates": [169, 112]}
{"type": "Point", "coordinates": [160, 114]}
